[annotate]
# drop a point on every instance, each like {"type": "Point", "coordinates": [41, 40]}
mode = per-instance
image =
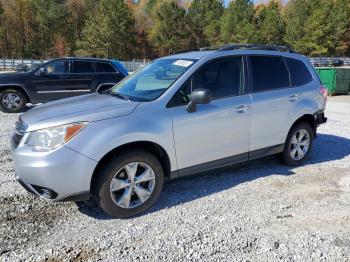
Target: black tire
{"type": "Point", "coordinates": [285, 157]}
{"type": "Point", "coordinates": [101, 191]}
{"type": "Point", "coordinates": [22, 102]}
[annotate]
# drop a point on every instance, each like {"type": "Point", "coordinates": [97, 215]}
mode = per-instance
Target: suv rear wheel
{"type": "Point", "coordinates": [298, 144]}
{"type": "Point", "coordinates": [12, 101]}
{"type": "Point", "coordinates": [130, 184]}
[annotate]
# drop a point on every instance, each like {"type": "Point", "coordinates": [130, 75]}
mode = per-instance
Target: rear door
{"type": "Point", "coordinates": [273, 101]}
{"type": "Point", "coordinates": [106, 76]}
{"type": "Point", "coordinates": [51, 83]}
{"type": "Point", "coordinates": [81, 77]}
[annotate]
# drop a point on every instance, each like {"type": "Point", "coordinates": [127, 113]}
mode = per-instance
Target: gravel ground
{"type": "Point", "coordinates": [261, 211]}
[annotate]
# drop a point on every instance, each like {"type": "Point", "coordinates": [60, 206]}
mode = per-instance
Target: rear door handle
{"type": "Point", "coordinates": [293, 98]}
{"type": "Point", "coordinates": [242, 109]}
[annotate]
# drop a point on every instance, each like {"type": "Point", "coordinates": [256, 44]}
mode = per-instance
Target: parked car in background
{"type": "Point", "coordinates": [57, 79]}
{"type": "Point", "coordinates": [21, 68]}
{"type": "Point", "coordinates": [179, 115]}
{"type": "Point", "coordinates": [25, 67]}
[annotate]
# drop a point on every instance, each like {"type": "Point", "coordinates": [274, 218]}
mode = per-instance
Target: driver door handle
{"type": "Point", "coordinates": [293, 98]}
{"type": "Point", "coordinates": [242, 109]}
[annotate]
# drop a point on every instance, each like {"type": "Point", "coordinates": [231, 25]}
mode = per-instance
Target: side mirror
{"type": "Point", "coordinates": [198, 96]}
{"type": "Point", "coordinates": [42, 71]}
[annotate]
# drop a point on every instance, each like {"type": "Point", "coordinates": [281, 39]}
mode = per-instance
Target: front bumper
{"type": "Point", "coordinates": [59, 175]}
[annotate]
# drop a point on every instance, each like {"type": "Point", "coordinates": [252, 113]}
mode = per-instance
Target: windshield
{"type": "Point", "coordinates": [33, 67]}
{"type": "Point", "coordinates": [151, 81]}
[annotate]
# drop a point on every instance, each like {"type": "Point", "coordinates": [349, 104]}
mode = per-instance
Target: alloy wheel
{"type": "Point", "coordinates": [11, 101]}
{"type": "Point", "coordinates": [299, 144]}
{"type": "Point", "coordinates": [132, 185]}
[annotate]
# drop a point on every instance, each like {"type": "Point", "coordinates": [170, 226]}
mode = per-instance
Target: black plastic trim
{"type": "Point", "coordinates": [320, 118]}
{"type": "Point", "coordinates": [82, 196]}
{"type": "Point", "coordinates": [45, 192]}
{"type": "Point", "coordinates": [228, 161]}
{"type": "Point", "coordinates": [213, 165]}
{"type": "Point", "coordinates": [25, 186]}
{"type": "Point", "coordinates": [266, 151]}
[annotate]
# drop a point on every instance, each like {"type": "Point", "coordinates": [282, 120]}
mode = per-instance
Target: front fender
{"type": "Point", "coordinates": [101, 137]}
{"type": "Point", "coordinates": [19, 86]}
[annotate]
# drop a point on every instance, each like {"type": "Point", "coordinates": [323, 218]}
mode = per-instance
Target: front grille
{"type": "Point", "coordinates": [20, 130]}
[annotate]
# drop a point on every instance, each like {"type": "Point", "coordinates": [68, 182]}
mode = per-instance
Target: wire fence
{"type": "Point", "coordinates": [330, 61]}
{"type": "Point", "coordinates": [11, 64]}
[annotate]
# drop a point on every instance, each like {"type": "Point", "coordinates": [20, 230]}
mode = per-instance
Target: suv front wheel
{"type": "Point", "coordinates": [298, 144]}
{"type": "Point", "coordinates": [12, 101]}
{"type": "Point", "coordinates": [130, 184]}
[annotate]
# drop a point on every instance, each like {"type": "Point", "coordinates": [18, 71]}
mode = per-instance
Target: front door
{"type": "Point", "coordinates": [50, 83]}
{"type": "Point", "coordinates": [217, 133]}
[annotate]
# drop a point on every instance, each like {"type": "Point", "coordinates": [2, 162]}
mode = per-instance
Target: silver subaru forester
{"type": "Point", "coordinates": [178, 115]}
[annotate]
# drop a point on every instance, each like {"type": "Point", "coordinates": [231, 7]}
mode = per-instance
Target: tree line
{"type": "Point", "coordinates": [144, 29]}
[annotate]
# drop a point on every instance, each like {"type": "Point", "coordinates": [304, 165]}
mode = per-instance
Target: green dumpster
{"type": "Point", "coordinates": [336, 80]}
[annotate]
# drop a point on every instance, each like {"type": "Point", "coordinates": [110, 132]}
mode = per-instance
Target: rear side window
{"type": "Point", "coordinates": [81, 67]}
{"type": "Point", "coordinates": [299, 73]}
{"type": "Point", "coordinates": [104, 68]}
{"type": "Point", "coordinates": [269, 73]}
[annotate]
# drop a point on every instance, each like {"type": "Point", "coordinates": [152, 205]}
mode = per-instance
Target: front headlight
{"type": "Point", "coordinates": [53, 137]}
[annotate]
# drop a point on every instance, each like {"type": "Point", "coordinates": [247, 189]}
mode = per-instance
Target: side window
{"type": "Point", "coordinates": [82, 67]}
{"type": "Point", "coordinates": [269, 73]}
{"type": "Point", "coordinates": [299, 73]}
{"type": "Point", "coordinates": [105, 68]}
{"type": "Point", "coordinates": [57, 67]}
{"type": "Point", "coordinates": [224, 78]}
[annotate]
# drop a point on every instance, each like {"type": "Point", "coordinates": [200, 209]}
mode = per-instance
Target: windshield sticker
{"type": "Point", "coordinates": [183, 63]}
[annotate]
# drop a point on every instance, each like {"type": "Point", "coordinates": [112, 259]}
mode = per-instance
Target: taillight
{"type": "Point", "coordinates": [323, 91]}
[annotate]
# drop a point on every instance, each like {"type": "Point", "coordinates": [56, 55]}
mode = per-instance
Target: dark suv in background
{"type": "Point", "coordinates": [56, 79]}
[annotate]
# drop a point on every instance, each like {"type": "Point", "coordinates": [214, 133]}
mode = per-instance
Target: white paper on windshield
{"type": "Point", "coordinates": [183, 63]}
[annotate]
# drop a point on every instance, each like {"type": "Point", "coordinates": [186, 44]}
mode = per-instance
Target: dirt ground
{"type": "Point", "coordinates": [261, 211]}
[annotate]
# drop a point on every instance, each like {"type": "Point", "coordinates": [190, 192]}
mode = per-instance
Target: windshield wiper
{"type": "Point", "coordinates": [121, 96]}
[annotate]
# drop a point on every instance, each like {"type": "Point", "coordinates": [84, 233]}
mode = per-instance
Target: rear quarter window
{"type": "Point", "coordinates": [299, 73]}
{"type": "Point", "coordinates": [104, 68]}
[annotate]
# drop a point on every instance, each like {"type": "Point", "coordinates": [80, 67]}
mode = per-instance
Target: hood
{"type": "Point", "coordinates": [13, 76]}
{"type": "Point", "coordinates": [86, 108]}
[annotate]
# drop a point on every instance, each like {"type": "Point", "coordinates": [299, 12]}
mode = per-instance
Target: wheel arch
{"type": "Point", "coordinates": [17, 87]}
{"type": "Point", "coordinates": [151, 147]}
{"type": "Point", "coordinates": [307, 118]}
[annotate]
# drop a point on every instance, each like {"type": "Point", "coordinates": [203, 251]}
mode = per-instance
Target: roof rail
{"type": "Point", "coordinates": [210, 48]}
{"type": "Point", "coordinates": [186, 51]}
{"type": "Point", "coordinates": [230, 47]}
{"type": "Point", "coordinates": [255, 47]}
